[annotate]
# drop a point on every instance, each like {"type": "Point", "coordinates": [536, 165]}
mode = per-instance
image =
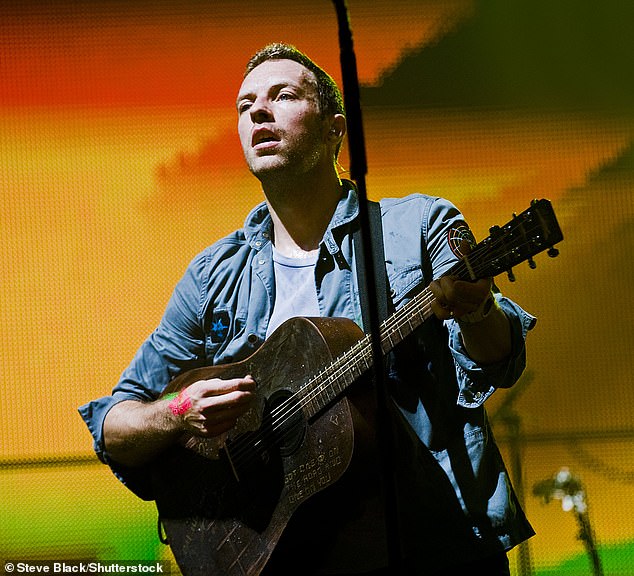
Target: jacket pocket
{"type": "Point", "coordinates": [404, 283]}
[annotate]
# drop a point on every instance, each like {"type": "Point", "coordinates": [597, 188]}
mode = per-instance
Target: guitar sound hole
{"type": "Point", "coordinates": [287, 420]}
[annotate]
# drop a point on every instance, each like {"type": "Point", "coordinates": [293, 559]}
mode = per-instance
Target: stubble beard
{"type": "Point", "coordinates": [286, 166]}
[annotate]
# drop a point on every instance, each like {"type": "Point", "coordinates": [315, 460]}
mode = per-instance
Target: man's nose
{"type": "Point", "coordinates": [260, 111]}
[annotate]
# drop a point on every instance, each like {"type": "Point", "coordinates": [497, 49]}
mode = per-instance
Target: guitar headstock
{"type": "Point", "coordinates": [527, 234]}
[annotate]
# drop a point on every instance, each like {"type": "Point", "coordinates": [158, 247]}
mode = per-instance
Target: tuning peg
{"type": "Point", "coordinates": [553, 252]}
{"type": "Point", "coordinates": [531, 263]}
{"type": "Point", "coordinates": [510, 274]}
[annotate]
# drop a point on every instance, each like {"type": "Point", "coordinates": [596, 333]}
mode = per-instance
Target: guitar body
{"type": "Point", "coordinates": [224, 511]}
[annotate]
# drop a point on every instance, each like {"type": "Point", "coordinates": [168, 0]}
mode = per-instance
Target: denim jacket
{"type": "Point", "coordinates": [219, 313]}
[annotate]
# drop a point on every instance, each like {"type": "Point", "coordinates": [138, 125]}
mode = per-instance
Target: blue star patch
{"type": "Point", "coordinates": [219, 326]}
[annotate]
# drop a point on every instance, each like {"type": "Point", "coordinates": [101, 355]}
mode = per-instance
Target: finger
{"type": "Point", "coordinates": [209, 431]}
{"type": "Point", "coordinates": [465, 246]}
{"type": "Point", "coordinates": [218, 387]}
{"type": "Point", "coordinates": [456, 297]}
{"type": "Point", "coordinates": [467, 296]}
{"type": "Point", "coordinates": [216, 420]}
{"type": "Point", "coordinates": [224, 414]}
{"type": "Point", "coordinates": [437, 291]}
{"type": "Point", "coordinates": [442, 313]}
{"type": "Point", "coordinates": [444, 290]}
{"type": "Point", "coordinates": [237, 398]}
{"type": "Point", "coordinates": [440, 306]}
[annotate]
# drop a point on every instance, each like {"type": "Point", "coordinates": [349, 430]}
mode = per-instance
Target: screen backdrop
{"type": "Point", "coordinates": [119, 161]}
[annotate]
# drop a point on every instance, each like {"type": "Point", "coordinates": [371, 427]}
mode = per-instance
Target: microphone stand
{"type": "Point", "coordinates": [569, 489]}
{"type": "Point", "coordinates": [358, 170]}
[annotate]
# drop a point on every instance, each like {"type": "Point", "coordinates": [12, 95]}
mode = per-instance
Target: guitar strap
{"type": "Point", "coordinates": [380, 274]}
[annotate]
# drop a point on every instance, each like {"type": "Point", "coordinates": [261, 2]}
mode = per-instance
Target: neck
{"type": "Point", "coordinates": [301, 211]}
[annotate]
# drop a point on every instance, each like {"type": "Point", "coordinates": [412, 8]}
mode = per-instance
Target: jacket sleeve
{"type": "Point", "coordinates": [176, 345]}
{"type": "Point", "coordinates": [476, 383]}
{"type": "Point", "coordinates": [444, 223]}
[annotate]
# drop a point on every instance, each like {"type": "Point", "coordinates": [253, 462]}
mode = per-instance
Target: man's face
{"type": "Point", "coordinates": [279, 122]}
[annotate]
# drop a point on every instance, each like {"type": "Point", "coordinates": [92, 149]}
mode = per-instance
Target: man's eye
{"type": "Point", "coordinates": [285, 96]}
{"type": "Point", "coordinates": [243, 107]}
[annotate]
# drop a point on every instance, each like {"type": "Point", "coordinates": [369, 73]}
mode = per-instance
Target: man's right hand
{"type": "Point", "coordinates": [211, 407]}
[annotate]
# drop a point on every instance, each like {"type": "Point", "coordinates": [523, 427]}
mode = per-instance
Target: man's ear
{"type": "Point", "coordinates": [337, 127]}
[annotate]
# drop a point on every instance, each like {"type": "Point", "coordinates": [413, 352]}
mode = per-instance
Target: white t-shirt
{"type": "Point", "coordinates": [295, 291]}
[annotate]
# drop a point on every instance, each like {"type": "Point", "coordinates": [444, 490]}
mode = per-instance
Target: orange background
{"type": "Point", "coordinates": [119, 161]}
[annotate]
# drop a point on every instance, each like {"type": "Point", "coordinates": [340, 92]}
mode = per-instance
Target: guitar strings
{"type": "Point", "coordinates": [419, 306]}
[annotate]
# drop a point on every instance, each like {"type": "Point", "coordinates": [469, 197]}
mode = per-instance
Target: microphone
{"type": "Point", "coordinates": [565, 487]}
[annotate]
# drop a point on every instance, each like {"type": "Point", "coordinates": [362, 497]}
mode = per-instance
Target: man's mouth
{"type": "Point", "coordinates": [263, 138]}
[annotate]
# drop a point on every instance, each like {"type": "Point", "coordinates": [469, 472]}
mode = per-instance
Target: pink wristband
{"type": "Point", "coordinates": [181, 404]}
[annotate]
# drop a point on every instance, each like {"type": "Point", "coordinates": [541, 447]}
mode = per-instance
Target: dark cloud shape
{"type": "Point", "coordinates": [522, 53]}
{"type": "Point", "coordinates": [601, 217]}
{"type": "Point", "coordinates": [213, 156]}
{"type": "Point", "coordinates": [619, 168]}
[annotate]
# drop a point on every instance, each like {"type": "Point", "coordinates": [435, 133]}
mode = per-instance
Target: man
{"type": "Point", "coordinates": [295, 256]}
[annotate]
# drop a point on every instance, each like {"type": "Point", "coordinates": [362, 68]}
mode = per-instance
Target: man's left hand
{"type": "Point", "coordinates": [454, 298]}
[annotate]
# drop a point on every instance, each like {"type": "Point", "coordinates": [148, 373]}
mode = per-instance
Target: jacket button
{"type": "Point", "coordinates": [252, 338]}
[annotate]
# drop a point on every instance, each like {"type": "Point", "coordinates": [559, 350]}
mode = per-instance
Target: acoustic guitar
{"type": "Point", "coordinates": [225, 502]}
